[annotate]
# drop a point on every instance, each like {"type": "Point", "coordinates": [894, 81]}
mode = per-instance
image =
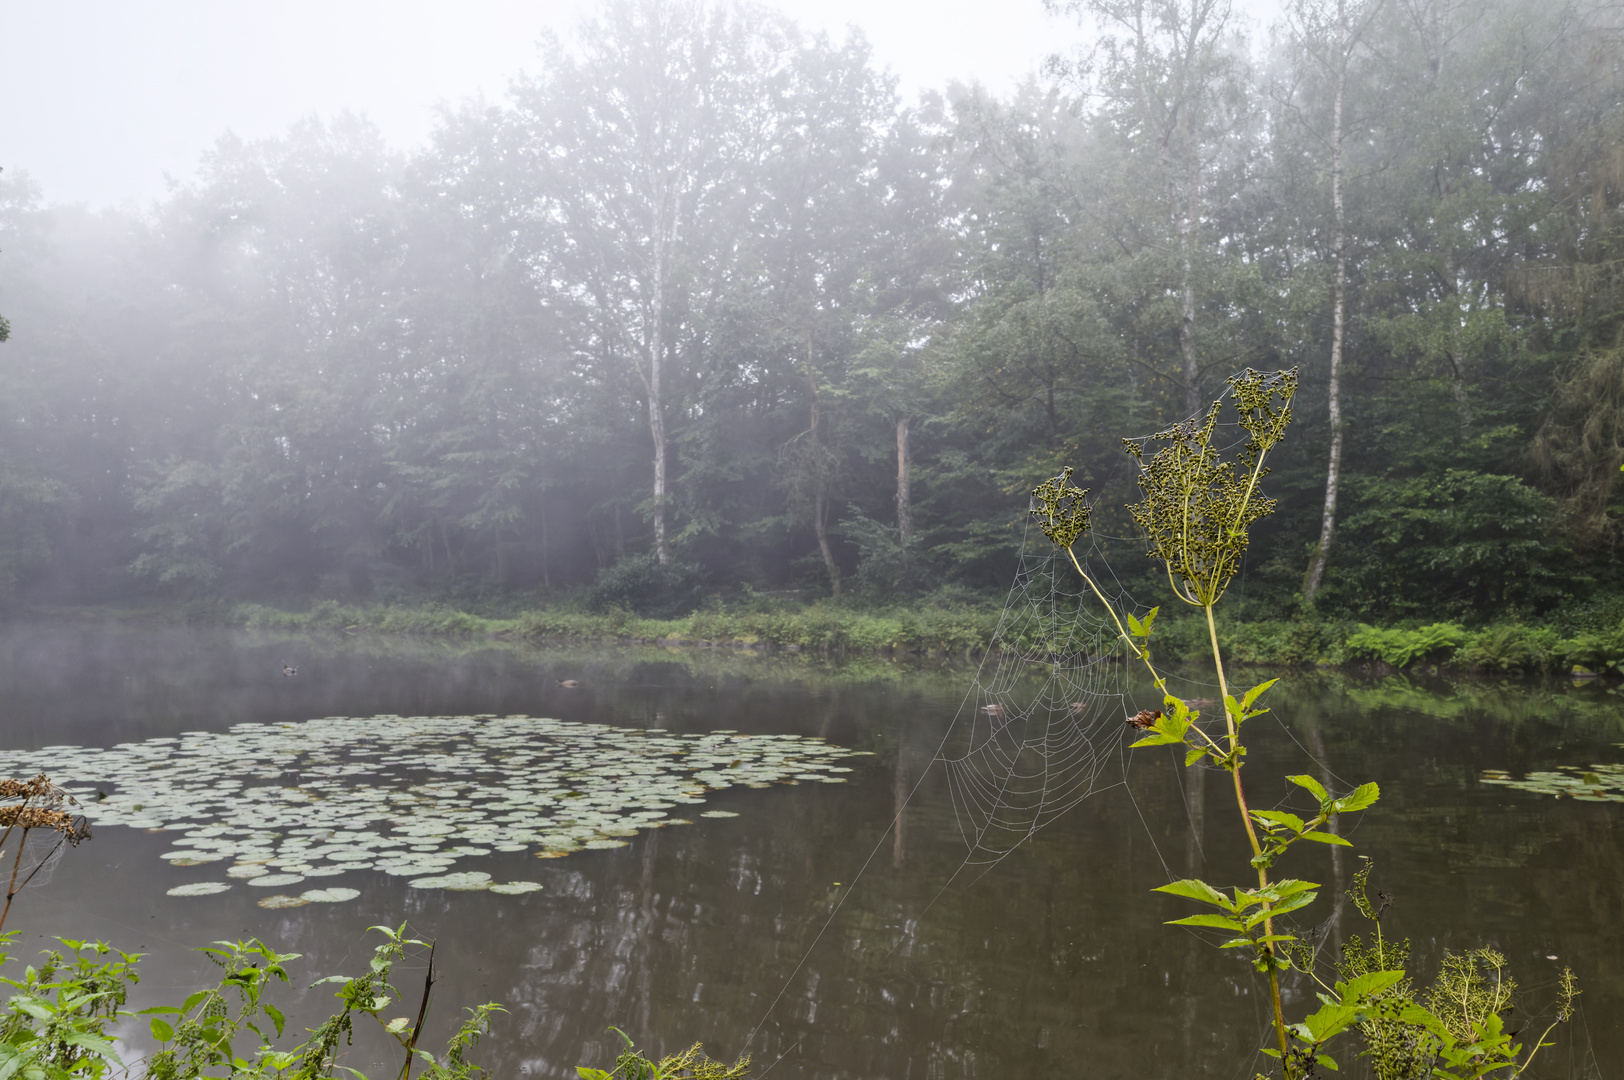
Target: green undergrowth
{"type": "Point", "coordinates": [819, 628]}
{"type": "Point", "coordinates": [1497, 648]}
{"type": "Point", "coordinates": [1591, 639]}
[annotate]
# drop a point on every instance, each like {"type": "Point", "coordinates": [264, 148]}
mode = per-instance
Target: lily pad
{"type": "Point", "coordinates": [199, 888]}
{"type": "Point", "coordinates": [329, 896]}
{"type": "Point", "coordinates": [516, 888]}
{"type": "Point", "coordinates": [276, 880]}
{"type": "Point", "coordinates": [464, 882]}
{"type": "Point", "coordinates": [411, 795]}
{"type": "Point", "coordinates": [281, 901]}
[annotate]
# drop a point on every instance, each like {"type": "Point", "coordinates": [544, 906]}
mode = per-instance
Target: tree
{"type": "Point", "coordinates": [1172, 78]}
{"type": "Point", "coordinates": [638, 143]}
{"type": "Point", "coordinates": [1326, 35]}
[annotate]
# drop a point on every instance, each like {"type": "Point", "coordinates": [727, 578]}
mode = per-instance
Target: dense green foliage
{"type": "Point", "coordinates": [845, 332]}
{"type": "Point", "coordinates": [55, 1025]}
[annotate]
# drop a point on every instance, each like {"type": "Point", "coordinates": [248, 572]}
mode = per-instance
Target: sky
{"type": "Point", "coordinates": [105, 102]}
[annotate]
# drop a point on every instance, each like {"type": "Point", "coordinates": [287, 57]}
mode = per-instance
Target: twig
{"type": "Point", "coordinates": [422, 1012]}
{"type": "Point", "coordinates": [11, 889]}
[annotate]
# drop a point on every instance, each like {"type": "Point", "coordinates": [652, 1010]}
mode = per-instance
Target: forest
{"type": "Point", "coordinates": [703, 308]}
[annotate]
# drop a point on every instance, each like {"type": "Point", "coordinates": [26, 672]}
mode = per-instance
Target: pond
{"type": "Point", "coordinates": [398, 779]}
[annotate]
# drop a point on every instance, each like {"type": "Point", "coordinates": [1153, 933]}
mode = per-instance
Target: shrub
{"type": "Point", "coordinates": [1400, 647]}
{"type": "Point", "coordinates": [643, 585]}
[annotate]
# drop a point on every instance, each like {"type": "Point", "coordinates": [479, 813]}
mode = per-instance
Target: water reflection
{"type": "Point", "coordinates": [1054, 961]}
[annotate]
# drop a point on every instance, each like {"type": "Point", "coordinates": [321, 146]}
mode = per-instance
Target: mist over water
{"type": "Point", "coordinates": [1056, 954]}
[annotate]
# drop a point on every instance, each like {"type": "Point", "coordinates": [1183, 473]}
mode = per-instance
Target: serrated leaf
{"type": "Point", "coordinates": [1256, 692]}
{"type": "Point", "coordinates": [1135, 627]}
{"type": "Point", "coordinates": [1193, 755]}
{"type": "Point", "coordinates": [1316, 788]}
{"type": "Point", "coordinates": [1279, 817]}
{"type": "Point", "coordinates": [276, 1018]}
{"type": "Point", "coordinates": [1290, 903]}
{"type": "Point", "coordinates": [1367, 985]}
{"type": "Point", "coordinates": [1285, 887]}
{"type": "Point", "coordinates": [1195, 889]}
{"type": "Point", "coordinates": [1329, 1021]}
{"type": "Point", "coordinates": [95, 1044]}
{"type": "Point", "coordinates": [1326, 838]}
{"type": "Point", "coordinates": [1156, 739]}
{"type": "Point", "coordinates": [1212, 922]}
{"type": "Point", "coordinates": [161, 1030]}
{"type": "Point", "coordinates": [1361, 797]}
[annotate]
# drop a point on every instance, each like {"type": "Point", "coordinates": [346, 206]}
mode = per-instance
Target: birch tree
{"type": "Point", "coordinates": [639, 138]}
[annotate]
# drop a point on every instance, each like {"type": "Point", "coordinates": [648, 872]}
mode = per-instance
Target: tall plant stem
{"type": "Point", "coordinates": [1234, 767]}
{"type": "Point", "coordinates": [11, 887]}
{"type": "Point", "coordinates": [422, 1013]}
{"type": "Point", "coordinates": [1143, 655]}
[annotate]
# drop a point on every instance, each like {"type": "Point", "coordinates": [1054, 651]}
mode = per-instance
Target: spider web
{"type": "Point", "coordinates": [1041, 728]}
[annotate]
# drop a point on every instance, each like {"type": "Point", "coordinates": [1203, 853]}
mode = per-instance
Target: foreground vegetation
{"type": "Point", "coordinates": [1197, 513]}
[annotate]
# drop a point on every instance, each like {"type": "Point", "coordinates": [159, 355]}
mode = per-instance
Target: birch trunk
{"type": "Point", "coordinates": [820, 481]}
{"type": "Point", "coordinates": [904, 506]}
{"type": "Point", "coordinates": [1187, 226]}
{"type": "Point", "coordinates": [656, 402]}
{"type": "Point", "coordinates": [1339, 303]}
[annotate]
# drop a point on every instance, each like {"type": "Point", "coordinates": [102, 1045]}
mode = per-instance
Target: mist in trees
{"type": "Point", "coordinates": [703, 305]}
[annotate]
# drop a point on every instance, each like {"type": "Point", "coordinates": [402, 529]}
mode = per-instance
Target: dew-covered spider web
{"type": "Point", "coordinates": [1042, 727]}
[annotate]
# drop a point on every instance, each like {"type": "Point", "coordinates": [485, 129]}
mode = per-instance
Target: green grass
{"type": "Point", "coordinates": [957, 630]}
{"type": "Point", "coordinates": [964, 628]}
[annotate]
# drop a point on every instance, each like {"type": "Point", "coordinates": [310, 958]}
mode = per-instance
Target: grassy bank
{"type": "Point", "coordinates": [955, 631]}
{"type": "Point", "coordinates": [1590, 639]}
{"type": "Point", "coordinates": [1495, 648]}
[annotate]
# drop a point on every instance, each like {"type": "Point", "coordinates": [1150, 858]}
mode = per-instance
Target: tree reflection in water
{"type": "Point", "coordinates": [1055, 958]}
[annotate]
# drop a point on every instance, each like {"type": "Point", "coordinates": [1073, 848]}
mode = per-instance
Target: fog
{"type": "Point", "coordinates": [101, 101]}
{"type": "Point", "coordinates": [711, 302]}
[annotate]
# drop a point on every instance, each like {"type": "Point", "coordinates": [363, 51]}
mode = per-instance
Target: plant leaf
{"type": "Point", "coordinates": [1325, 838]}
{"type": "Point", "coordinates": [1361, 797]}
{"type": "Point", "coordinates": [1214, 922]}
{"type": "Point", "coordinates": [1256, 692]}
{"type": "Point", "coordinates": [1195, 889]}
{"type": "Point", "coordinates": [1314, 787]}
{"type": "Point", "coordinates": [1279, 817]}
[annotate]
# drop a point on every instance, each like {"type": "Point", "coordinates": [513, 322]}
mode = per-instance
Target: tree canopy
{"type": "Point", "coordinates": [706, 292]}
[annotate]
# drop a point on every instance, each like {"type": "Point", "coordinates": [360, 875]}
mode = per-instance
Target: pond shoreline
{"type": "Point", "coordinates": [941, 633]}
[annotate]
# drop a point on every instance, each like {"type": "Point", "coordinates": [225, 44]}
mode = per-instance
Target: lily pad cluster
{"type": "Point", "coordinates": [1594, 783]}
{"type": "Point", "coordinates": [272, 805]}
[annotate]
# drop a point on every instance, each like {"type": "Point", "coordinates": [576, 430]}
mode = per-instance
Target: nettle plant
{"type": "Point", "coordinates": [1196, 514]}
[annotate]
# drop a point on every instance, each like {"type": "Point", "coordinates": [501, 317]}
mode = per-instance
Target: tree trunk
{"type": "Point", "coordinates": [546, 567]}
{"type": "Point", "coordinates": [1339, 304]}
{"type": "Point", "coordinates": [820, 484]}
{"type": "Point", "coordinates": [656, 404]}
{"type": "Point", "coordinates": [904, 506]}
{"type": "Point", "coordinates": [1192, 370]}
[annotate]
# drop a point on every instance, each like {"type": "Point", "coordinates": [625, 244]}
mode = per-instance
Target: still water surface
{"type": "Point", "coordinates": [1055, 962]}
